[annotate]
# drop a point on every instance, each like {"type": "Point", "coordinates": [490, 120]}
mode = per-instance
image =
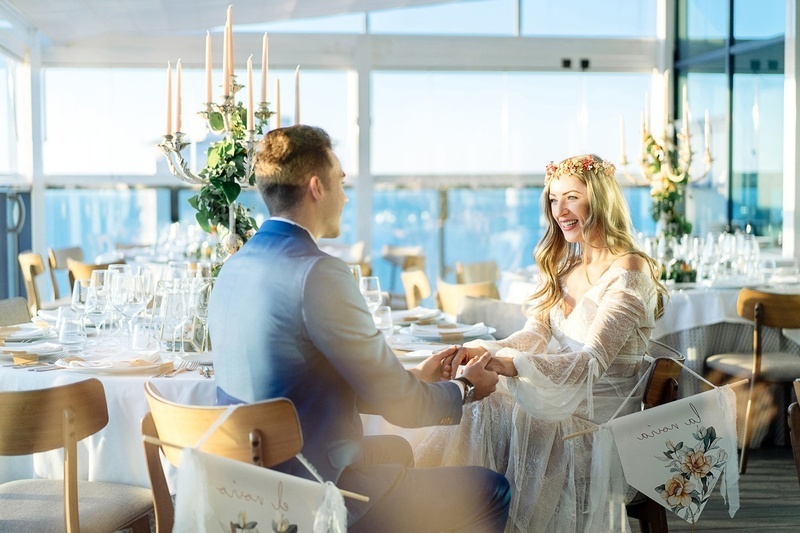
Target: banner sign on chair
{"type": "Point", "coordinates": [675, 453]}
{"type": "Point", "coordinates": [216, 493]}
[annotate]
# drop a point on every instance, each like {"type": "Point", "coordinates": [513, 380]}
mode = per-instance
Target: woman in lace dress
{"type": "Point", "coordinates": [571, 366]}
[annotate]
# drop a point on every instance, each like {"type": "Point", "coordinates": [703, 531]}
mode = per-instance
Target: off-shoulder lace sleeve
{"type": "Point", "coordinates": [533, 338]}
{"type": "Point", "coordinates": [617, 317]}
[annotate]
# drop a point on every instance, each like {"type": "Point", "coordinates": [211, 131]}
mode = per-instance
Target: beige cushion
{"type": "Point", "coordinates": [37, 506]}
{"type": "Point", "coordinates": [775, 366]}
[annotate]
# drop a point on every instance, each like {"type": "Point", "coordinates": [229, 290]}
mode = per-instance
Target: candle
{"type": "Point", "coordinates": [297, 95]}
{"type": "Point", "coordinates": [277, 104]}
{"type": "Point", "coordinates": [685, 103]}
{"type": "Point", "coordinates": [178, 99]}
{"type": "Point", "coordinates": [666, 101]}
{"type": "Point", "coordinates": [250, 118]}
{"type": "Point", "coordinates": [647, 111]}
{"type": "Point", "coordinates": [264, 66]}
{"type": "Point", "coordinates": [169, 99]}
{"type": "Point", "coordinates": [622, 137]}
{"type": "Point", "coordinates": [707, 132]}
{"type": "Point", "coordinates": [225, 79]}
{"type": "Point", "coordinates": [643, 134]}
{"type": "Point", "coordinates": [208, 66]}
{"type": "Point", "coordinates": [229, 23]}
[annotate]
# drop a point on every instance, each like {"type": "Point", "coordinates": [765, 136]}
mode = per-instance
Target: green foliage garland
{"type": "Point", "coordinates": [668, 195]}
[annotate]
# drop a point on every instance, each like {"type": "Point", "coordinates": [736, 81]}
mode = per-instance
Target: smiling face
{"type": "Point", "coordinates": [569, 205]}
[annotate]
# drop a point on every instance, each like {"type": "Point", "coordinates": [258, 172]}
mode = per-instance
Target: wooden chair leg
{"type": "Point", "coordinates": [746, 436]}
{"type": "Point", "coordinates": [652, 516]}
{"type": "Point", "coordinates": [142, 525]}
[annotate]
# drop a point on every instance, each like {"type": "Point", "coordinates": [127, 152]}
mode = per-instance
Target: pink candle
{"type": "Point", "coordinates": [250, 111]}
{"type": "Point", "coordinates": [178, 100]}
{"type": "Point", "coordinates": [208, 67]}
{"type": "Point", "coordinates": [297, 95]}
{"type": "Point", "coordinates": [264, 66]}
{"type": "Point", "coordinates": [277, 104]}
{"type": "Point", "coordinates": [169, 99]}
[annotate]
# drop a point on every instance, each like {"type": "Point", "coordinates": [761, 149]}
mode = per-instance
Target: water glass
{"type": "Point", "coordinates": [70, 329]}
{"type": "Point", "coordinates": [146, 334]}
{"type": "Point", "coordinates": [371, 291]}
{"type": "Point", "coordinates": [383, 320]}
{"type": "Point", "coordinates": [355, 270]}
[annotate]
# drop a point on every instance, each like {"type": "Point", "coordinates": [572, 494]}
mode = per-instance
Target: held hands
{"type": "Point", "coordinates": [437, 367]}
{"type": "Point", "coordinates": [484, 379]}
{"type": "Point", "coordinates": [503, 366]}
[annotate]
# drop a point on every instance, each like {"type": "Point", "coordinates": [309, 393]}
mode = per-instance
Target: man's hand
{"type": "Point", "coordinates": [465, 355]}
{"type": "Point", "coordinates": [437, 367]}
{"type": "Point", "coordinates": [485, 380]}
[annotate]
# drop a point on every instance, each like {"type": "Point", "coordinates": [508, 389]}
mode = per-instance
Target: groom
{"type": "Point", "coordinates": [287, 321]}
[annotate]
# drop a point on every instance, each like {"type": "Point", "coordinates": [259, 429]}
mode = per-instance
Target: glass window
{"type": "Point", "coordinates": [477, 17]}
{"type": "Point", "coordinates": [8, 116]}
{"type": "Point", "coordinates": [702, 26]}
{"type": "Point", "coordinates": [613, 18]}
{"type": "Point", "coordinates": [499, 123]}
{"type": "Point", "coordinates": [758, 19]}
{"type": "Point", "coordinates": [121, 115]}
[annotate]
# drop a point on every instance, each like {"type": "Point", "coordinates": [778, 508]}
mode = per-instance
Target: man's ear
{"type": "Point", "coordinates": [315, 187]}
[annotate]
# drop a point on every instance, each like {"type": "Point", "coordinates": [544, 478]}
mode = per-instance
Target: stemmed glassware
{"type": "Point", "coordinates": [201, 294]}
{"type": "Point", "coordinates": [174, 309]}
{"type": "Point", "coordinates": [80, 291]}
{"type": "Point", "coordinates": [98, 303]}
{"type": "Point", "coordinates": [371, 291]}
{"type": "Point", "coordinates": [130, 294]}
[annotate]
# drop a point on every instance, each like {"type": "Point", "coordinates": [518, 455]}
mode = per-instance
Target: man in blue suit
{"type": "Point", "coordinates": [287, 320]}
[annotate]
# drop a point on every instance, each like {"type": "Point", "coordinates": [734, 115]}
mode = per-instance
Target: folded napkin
{"type": "Point", "coordinates": [43, 348]}
{"type": "Point", "coordinates": [413, 346]}
{"type": "Point", "coordinates": [449, 332]}
{"type": "Point", "coordinates": [414, 315]}
{"type": "Point", "coordinates": [48, 315]}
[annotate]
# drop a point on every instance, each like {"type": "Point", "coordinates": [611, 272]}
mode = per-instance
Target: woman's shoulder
{"type": "Point", "coordinates": [632, 262]}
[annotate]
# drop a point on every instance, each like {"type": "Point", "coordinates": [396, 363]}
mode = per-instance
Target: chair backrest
{"type": "Point", "coordinates": [477, 272]}
{"type": "Point", "coordinates": [14, 311]}
{"type": "Point", "coordinates": [406, 257]}
{"type": "Point", "coordinates": [32, 265]}
{"type": "Point", "coordinates": [505, 317]}
{"type": "Point", "coordinates": [80, 270]}
{"type": "Point", "coordinates": [262, 433]}
{"type": "Point", "coordinates": [57, 260]}
{"type": "Point", "coordinates": [451, 295]}
{"type": "Point", "coordinates": [46, 419]}
{"type": "Point", "coordinates": [416, 286]}
{"type": "Point", "coordinates": [794, 434]}
{"type": "Point", "coordinates": [776, 310]}
{"type": "Point", "coordinates": [662, 384]}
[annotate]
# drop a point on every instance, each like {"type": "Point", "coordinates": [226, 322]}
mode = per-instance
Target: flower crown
{"type": "Point", "coordinates": [577, 166]}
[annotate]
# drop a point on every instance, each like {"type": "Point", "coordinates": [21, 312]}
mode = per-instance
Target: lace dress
{"type": "Point", "coordinates": [572, 373]}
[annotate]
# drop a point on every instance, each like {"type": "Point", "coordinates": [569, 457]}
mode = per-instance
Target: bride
{"type": "Point", "coordinates": [571, 366]}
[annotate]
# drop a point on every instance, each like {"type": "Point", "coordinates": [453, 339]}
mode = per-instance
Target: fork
{"type": "Point", "coordinates": [183, 366]}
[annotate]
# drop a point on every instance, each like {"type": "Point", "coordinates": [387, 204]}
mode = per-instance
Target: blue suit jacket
{"type": "Point", "coordinates": [288, 320]}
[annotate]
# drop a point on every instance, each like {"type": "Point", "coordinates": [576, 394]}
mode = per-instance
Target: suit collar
{"type": "Point", "coordinates": [282, 227]}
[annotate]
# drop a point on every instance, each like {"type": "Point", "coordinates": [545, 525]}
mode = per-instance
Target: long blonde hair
{"type": "Point", "coordinates": [608, 217]}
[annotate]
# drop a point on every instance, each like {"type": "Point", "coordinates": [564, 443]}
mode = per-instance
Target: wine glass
{"type": "Point", "coordinates": [130, 295]}
{"type": "Point", "coordinates": [98, 305]}
{"type": "Point", "coordinates": [174, 309]}
{"type": "Point", "coordinates": [371, 291]}
{"type": "Point", "coordinates": [355, 270]}
{"type": "Point", "coordinates": [80, 290]}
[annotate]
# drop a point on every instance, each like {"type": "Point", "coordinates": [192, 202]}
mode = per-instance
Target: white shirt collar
{"type": "Point", "coordinates": [292, 222]}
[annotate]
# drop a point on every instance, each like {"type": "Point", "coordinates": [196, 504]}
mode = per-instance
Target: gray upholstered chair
{"type": "Point", "coordinates": [505, 317]}
{"type": "Point", "coordinates": [14, 311]}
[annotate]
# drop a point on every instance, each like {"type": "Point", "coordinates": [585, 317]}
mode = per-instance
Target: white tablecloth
{"type": "Point", "coordinates": [115, 453]}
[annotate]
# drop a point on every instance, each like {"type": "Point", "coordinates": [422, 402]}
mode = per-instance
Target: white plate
{"type": "Point", "coordinates": [409, 316]}
{"type": "Point", "coordinates": [438, 336]}
{"type": "Point", "coordinates": [109, 367]}
{"type": "Point", "coordinates": [414, 357]}
{"type": "Point", "coordinates": [25, 331]}
{"type": "Point", "coordinates": [44, 351]}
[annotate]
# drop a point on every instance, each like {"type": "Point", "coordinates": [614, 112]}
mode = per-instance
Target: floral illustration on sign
{"type": "Point", "coordinates": [244, 525]}
{"type": "Point", "coordinates": [694, 470]}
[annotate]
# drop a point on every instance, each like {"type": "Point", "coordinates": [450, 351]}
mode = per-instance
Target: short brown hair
{"type": "Point", "coordinates": [286, 160]}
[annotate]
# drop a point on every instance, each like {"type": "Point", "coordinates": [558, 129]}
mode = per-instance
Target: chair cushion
{"type": "Point", "coordinates": [775, 366]}
{"type": "Point", "coordinates": [37, 505]}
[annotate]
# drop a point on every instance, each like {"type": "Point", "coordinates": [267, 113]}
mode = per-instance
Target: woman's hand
{"type": "Point", "coordinates": [503, 366]}
{"type": "Point", "coordinates": [438, 366]}
{"type": "Point", "coordinates": [464, 356]}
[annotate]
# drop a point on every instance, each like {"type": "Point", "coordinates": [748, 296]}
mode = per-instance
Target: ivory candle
{"type": "Point", "coordinates": [251, 123]}
{"type": "Point", "coordinates": [208, 67]}
{"type": "Point", "coordinates": [297, 95]}
{"type": "Point", "coordinates": [666, 101]}
{"type": "Point", "coordinates": [277, 104]}
{"type": "Point", "coordinates": [169, 99]}
{"type": "Point", "coordinates": [264, 67]}
{"type": "Point", "coordinates": [178, 105]}
{"type": "Point", "coordinates": [685, 104]}
{"type": "Point", "coordinates": [647, 111]}
{"type": "Point", "coordinates": [226, 84]}
{"type": "Point", "coordinates": [622, 137]}
{"type": "Point", "coordinates": [229, 23]}
{"type": "Point", "coordinates": [707, 131]}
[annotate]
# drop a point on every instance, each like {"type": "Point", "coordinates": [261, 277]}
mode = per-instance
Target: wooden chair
{"type": "Point", "coordinates": [81, 270]}
{"type": "Point", "coordinates": [263, 433]}
{"type": "Point", "coordinates": [32, 266]}
{"type": "Point", "coordinates": [42, 420]}
{"type": "Point", "coordinates": [14, 311]}
{"type": "Point", "coordinates": [477, 272]}
{"type": "Point", "coordinates": [416, 285]}
{"type": "Point", "coordinates": [451, 295]}
{"type": "Point", "coordinates": [403, 258]}
{"type": "Point", "coordinates": [57, 260]}
{"type": "Point", "coordinates": [765, 309]}
{"type": "Point", "coordinates": [794, 427]}
{"type": "Point", "coordinates": [661, 388]}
